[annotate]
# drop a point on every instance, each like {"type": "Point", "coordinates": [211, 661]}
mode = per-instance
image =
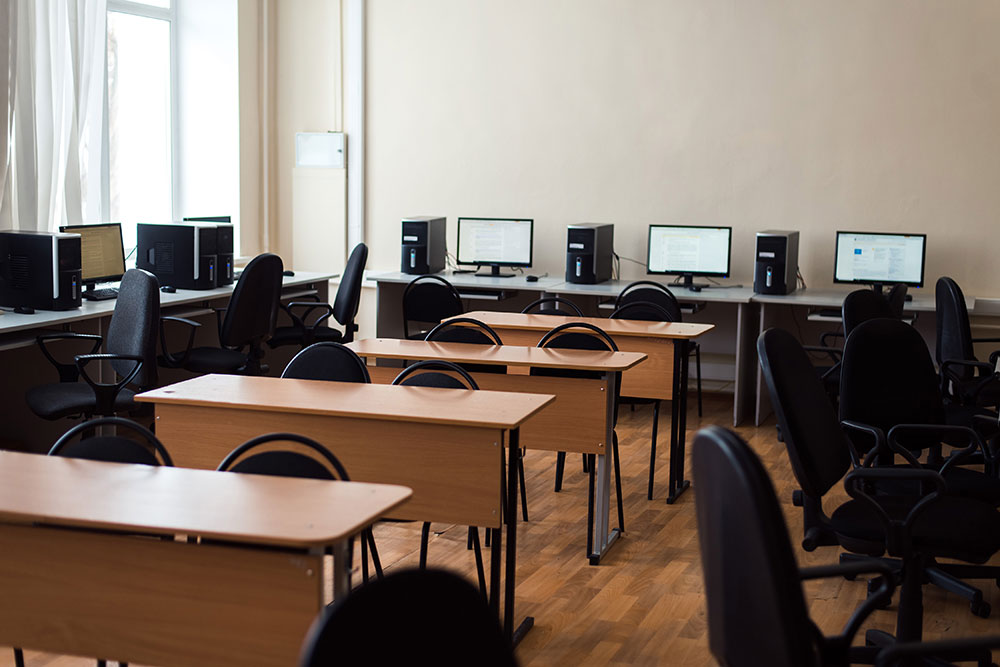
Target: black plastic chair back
{"type": "Point", "coordinates": [327, 361]}
{"type": "Point", "coordinates": [318, 463]}
{"type": "Point", "coordinates": [550, 306]}
{"type": "Point", "coordinates": [650, 292]}
{"type": "Point", "coordinates": [429, 299]}
{"type": "Point", "coordinates": [641, 310]}
{"type": "Point", "coordinates": [113, 448]}
{"type": "Point", "coordinates": [253, 308]}
{"type": "Point", "coordinates": [579, 336]}
{"type": "Point", "coordinates": [385, 621]}
{"type": "Point", "coordinates": [436, 373]}
{"type": "Point", "coordinates": [345, 306]}
{"type": "Point", "coordinates": [897, 299]}
{"type": "Point", "coordinates": [756, 611]}
{"type": "Point", "coordinates": [863, 305]}
{"type": "Point", "coordinates": [134, 326]}
{"type": "Point", "coordinates": [472, 331]}
{"type": "Point", "coordinates": [817, 448]}
{"type": "Point", "coordinates": [954, 333]}
{"type": "Point", "coordinates": [887, 377]}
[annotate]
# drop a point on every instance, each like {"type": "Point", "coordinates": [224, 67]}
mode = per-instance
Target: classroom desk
{"type": "Point", "coordinates": [451, 457]}
{"type": "Point", "coordinates": [580, 420]}
{"type": "Point", "coordinates": [77, 580]}
{"type": "Point", "coordinates": [663, 376]}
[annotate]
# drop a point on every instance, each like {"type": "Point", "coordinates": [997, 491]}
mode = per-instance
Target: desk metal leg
{"type": "Point", "coordinates": [601, 537]}
{"type": "Point", "coordinates": [341, 569]}
{"type": "Point", "coordinates": [512, 635]}
{"type": "Point", "coordinates": [678, 425]}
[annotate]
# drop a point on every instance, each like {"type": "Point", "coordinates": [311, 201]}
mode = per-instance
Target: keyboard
{"type": "Point", "coordinates": [828, 312]}
{"type": "Point", "coordinates": [101, 294]}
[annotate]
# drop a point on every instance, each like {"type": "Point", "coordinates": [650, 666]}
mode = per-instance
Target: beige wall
{"type": "Point", "coordinates": [805, 114]}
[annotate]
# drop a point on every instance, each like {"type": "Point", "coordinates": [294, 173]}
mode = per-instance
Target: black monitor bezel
{"type": "Point", "coordinates": [99, 279]}
{"type": "Point", "coordinates": [713, 274]}
{"type": "Point", "coordinates": [458, 242]}
{"type": "Point", "coordinates": [218, 219]}
{"type": "Point", "coordinates": [836, 254]}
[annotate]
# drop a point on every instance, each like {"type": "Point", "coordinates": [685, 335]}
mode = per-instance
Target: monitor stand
{"type": "Point", "coordinates": [495, 273]}
{"type": "Point", "coordinates": [687, 280]}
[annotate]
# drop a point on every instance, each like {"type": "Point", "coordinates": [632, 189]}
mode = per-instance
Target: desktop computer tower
{"type": "Point", "coordinates": [589, 253]}
{"type": "Point", "coordinates": [423, 246]}
{"type": "Point", "coordinates": [776, 265]}
{"type": "Point", "coordinates": [224, 264]}
{"type": "Point", "coordinates": [181, 255]}
{"type": "Point", "coordinates": [40, 270]}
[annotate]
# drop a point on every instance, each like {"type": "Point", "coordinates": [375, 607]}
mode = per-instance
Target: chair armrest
{"type": "Point", "coordinates": [830, 334]}
{"type": "Point", "coordinates": [950, 379]}
{"type": "Point", "coordinates": [972, 648]}
{"type": "Point", "coordinates": [171, 360]}
{"type": "Point", "coordinates": [986, 340]}
{"type": "Point", "coordinates": [897, 533]}
{"type": "Point", "coordinates": [307, 307]}
{"type": "Point", "coordinates": [67, 372]}
{"type": "Point", "coordinates": [835, 353]}
{"type": "Point", "coordinates": [106, 392]}
{"type": "Point", "coordinates": [877, 435]}
{"type": "Point", "coordinates": [882, 595]}
{"type": "Point", "coordinates": [940, 431]}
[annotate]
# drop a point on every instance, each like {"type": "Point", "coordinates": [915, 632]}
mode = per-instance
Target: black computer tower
{"type": "Point", "coordinates": [182, 255]}
{"type": "Point", "coordinates": [40, 270]}
{"type": "Point", "coordinates": [776, 265]}
{"type": "Point", "coordinates": [423, 246]}
{"type": "Point", "coordinates": [589, 253]}
{"type": "Point", "coordinates": [224, 263]}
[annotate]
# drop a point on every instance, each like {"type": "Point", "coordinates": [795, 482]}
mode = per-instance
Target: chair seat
{"type": "Point", "coordinates": [62, 399]}
{"type": "Point", "coordinates": [951, 527]}
{"type": "Point", "coordinates": [215, 360]}
{"type": "Point", "coordinates": [294, 336]}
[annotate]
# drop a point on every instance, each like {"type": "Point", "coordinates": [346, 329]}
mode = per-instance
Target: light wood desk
{"type": "Point", "coordinates": [663, 376]}
{"type": "Point", "coordinates": [445, 444]}
{"type": "Point", "coordinates": [75, 581]}
{"type": "Point", "coordinates": [580, 419]}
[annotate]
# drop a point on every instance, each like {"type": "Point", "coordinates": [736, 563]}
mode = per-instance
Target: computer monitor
{"type": "Point", "coordinates": [876, 258]}
{"type": "Point", "coordinates": [220, 219]}
{"type": "Point", "coordinates": [688, 251]}
{"type": "Point", "coordinates": [102, 254]}
{"type": "Point", "coordinates": [495, 242]}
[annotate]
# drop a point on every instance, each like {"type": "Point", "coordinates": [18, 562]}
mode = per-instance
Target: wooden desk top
{"type": "Point", "coordinates": [278, 511]}
{"type": "Point", "coordinates": [613, 327]}
{"type": "Point", "coordinates": [509, 355]}
{"type": "Point", "coordinates": [484, 409]}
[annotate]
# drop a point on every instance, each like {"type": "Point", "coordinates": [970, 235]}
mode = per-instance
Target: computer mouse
{"type": "Point", "coordinates": [695, 288]}
{"type": "Point", "coordinates": [288, 273]}
{"type": "Point", "coordinates": [24, 310]}
{"type": "Point", "coordinates": [169, 289]}
{"type": "Point", "coordinates": [531, 279]}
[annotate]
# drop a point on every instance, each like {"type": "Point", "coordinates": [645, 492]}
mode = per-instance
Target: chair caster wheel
{"type": "Point", "coordinates": [980, 609]}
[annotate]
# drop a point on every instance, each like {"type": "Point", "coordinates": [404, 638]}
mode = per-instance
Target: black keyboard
{"type": "Point", "coordinates": [828, 312]}
{"type": "Point", "coordinates": [101, 294]}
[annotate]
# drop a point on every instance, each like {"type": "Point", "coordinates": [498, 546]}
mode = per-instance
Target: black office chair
{"type": "Point", "coordinates": [427, 300]}
{"type": "Point", "coordinates": [964, 379]}
{"type": "Point", "coordinates": [84, 442]}
{"type": "Point", "coordinates": [550, 305]}
{"type": "Point", "coordinates": [896, 296]}
{"type": "Point", "coordinates": [913, 518]}
{"type": "Point", "coordinates": [863, 305]}
{"type": "Point", "coordinates": [388, 621]}
{"type": "Point", "coordinates": [248, 322]}
{"type": "Point", "coordinates": [130, 347]}
{"type": "Point", "coordinates": [650, 292]}
{"type": "Point", "coordinates": [585, 336]}
{"type": "Point", "coordinates": [445, 375]}
{"type": "Point", "coordinates": [309, 317]}
{"type": "Point", "coordinates": [308, 460]}
{"type": "Point", "coordinates": [327, 361]}
{"type": "Point", "coordinates": [746, 556]}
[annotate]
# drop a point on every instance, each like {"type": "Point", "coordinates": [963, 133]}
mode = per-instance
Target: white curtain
{"type": "Point", "coordinates": [8, 48]}
{"type": "Point", "coordinates": [58, 109]}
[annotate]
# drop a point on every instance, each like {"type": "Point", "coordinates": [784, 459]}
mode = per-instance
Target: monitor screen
{"type": "Point", "coordinates": [689, 250]}
{"type": "Point", "coordinates": [102, 254]}
{"type": "Point", "coordinates": [877, 258]}
{"type": "Point", "coordinates": [494, 241]}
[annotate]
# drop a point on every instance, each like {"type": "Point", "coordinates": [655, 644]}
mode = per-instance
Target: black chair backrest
{"type": "Point", "coordinates": [549, 305]}
{"type": "Point", "coordinates": [345, 306]}
{"type": "Point", "coordinates": [385, 622]}
{"type": "Point", "coordinates": [116, 448]}
{"type": "Point", "coordinates": [756, 611]}
{"type": "Point", "coordinates": [863, 305]}
{"type": "Point", "coordinates": [954, 333]}
{"type": "Point", "coordinates": [641, 310]}
{"type": "Point", "coordinates": [897, 299]}
{"type": "Point", "coordinates": [579, 336]}
{"type": "Point", "coordinates": [650, 292]}
{"type": "Point", "coordinates": [887, 377]}
{"type": "Point", "coordinates": [315, 462]}
{"type": "Point", "coordinates": [327, 361]}
{"type": "Point", "coordinates": [464, 330]}
{"type": "Point", "coordinates": [817, 448]}
{"type": "Point", "coordinates": [253, 308]}
{"type": "Point", "coordinates": [134, 326]}
{"type": "Point", "coordinates": [429, 299]}
{"type": "Point", "coordinates": [436, 373]}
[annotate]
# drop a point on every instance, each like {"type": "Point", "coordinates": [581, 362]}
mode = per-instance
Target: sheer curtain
{"type": "Point", "coordinates": [8, 47]}
{"type": "Point", "coordinates": [58, 91]}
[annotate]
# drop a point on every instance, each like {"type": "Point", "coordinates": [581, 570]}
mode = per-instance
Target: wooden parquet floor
{"type": "Point", "coordinates": [643, 605]}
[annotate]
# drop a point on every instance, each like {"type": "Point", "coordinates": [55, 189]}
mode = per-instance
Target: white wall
{"type": "Point", "coordinates": [809, 115]}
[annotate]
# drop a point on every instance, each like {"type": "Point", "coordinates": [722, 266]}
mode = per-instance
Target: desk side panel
{"type": "Point", "coordinates": [454, 471]}
{"type": "Point", "coordinates": [154, 602]}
